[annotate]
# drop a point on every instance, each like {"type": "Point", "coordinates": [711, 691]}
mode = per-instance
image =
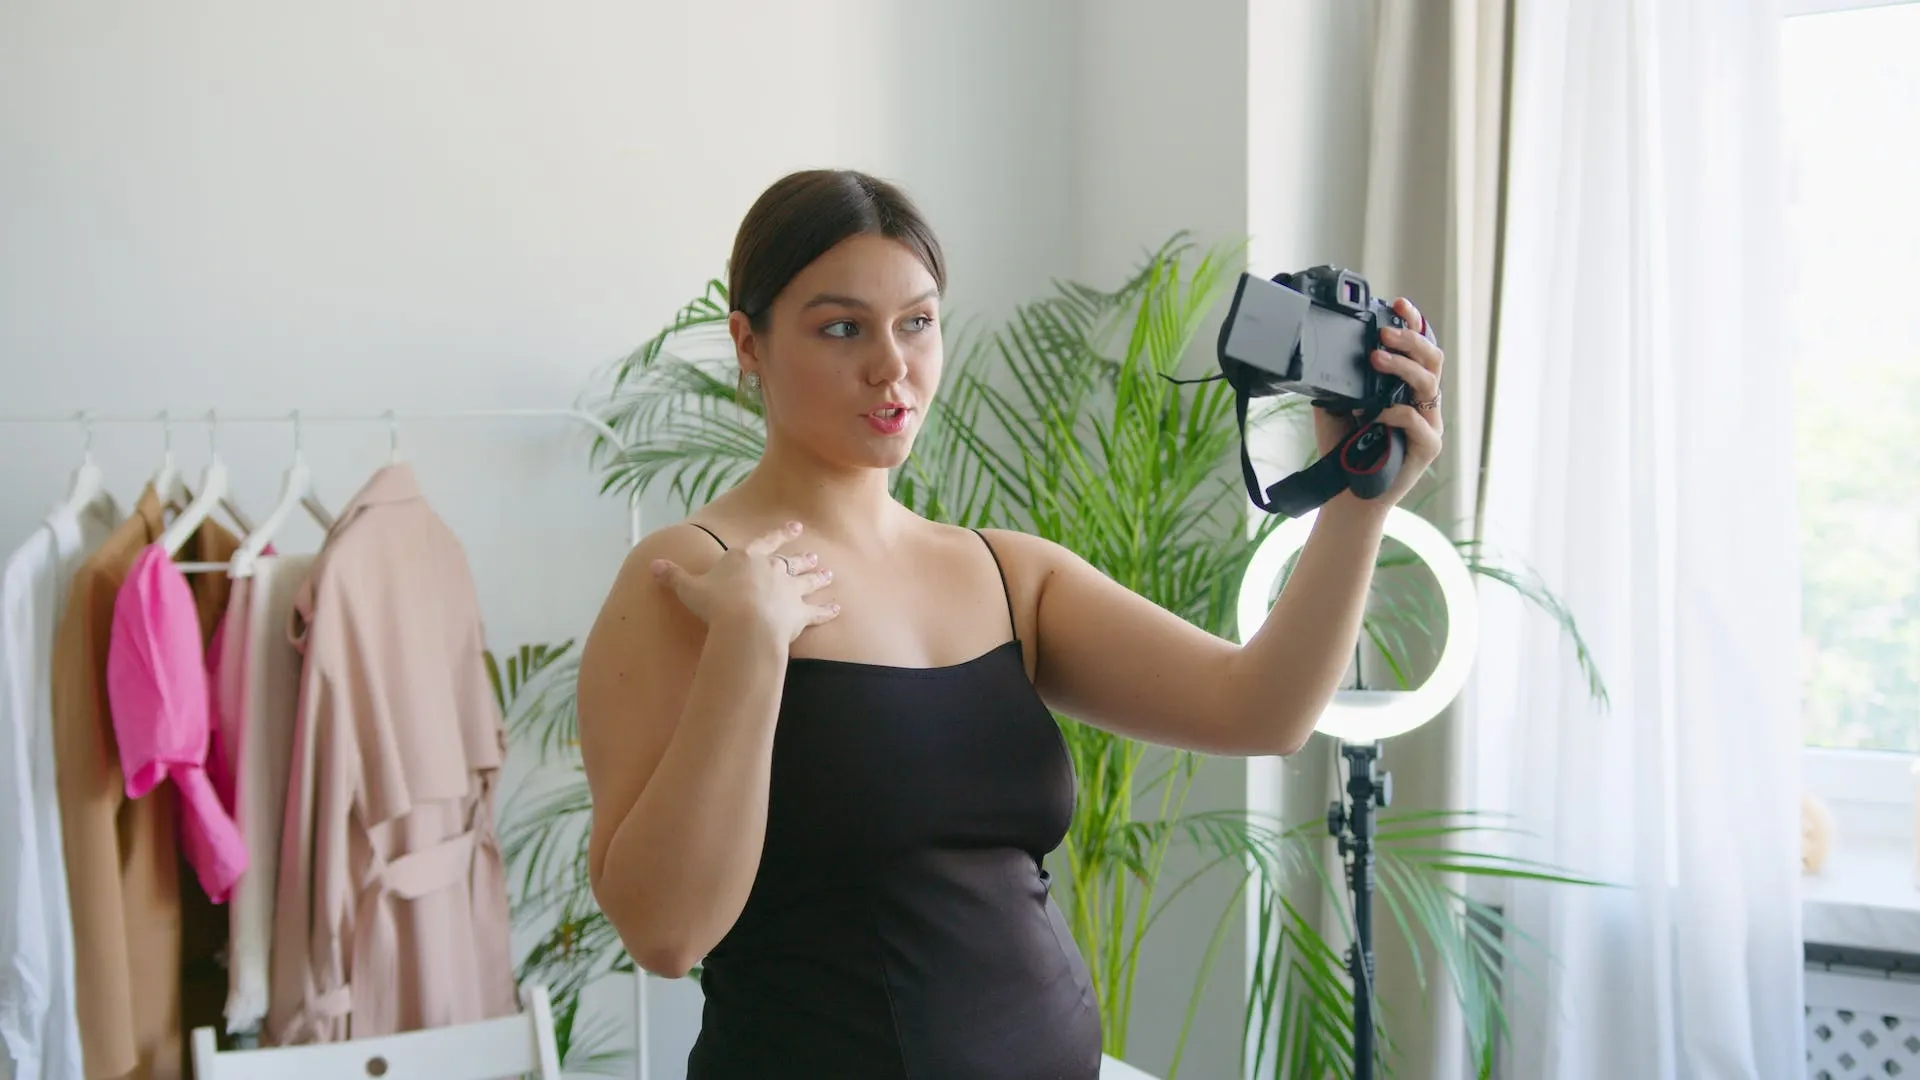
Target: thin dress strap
{"type": "Point", "coordinates": [710, 532]}
{"type": "Point", "coordinates": [1012, 626]}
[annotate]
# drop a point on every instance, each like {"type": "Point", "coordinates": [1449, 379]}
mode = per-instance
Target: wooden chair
{"type": "Point", "coordinates": [521, 1045]}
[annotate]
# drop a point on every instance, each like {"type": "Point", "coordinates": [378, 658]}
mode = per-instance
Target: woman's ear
{"type": "Point", "coordinates": [746, 353]}
{"type": "Point", "coordinates": [745, 347]}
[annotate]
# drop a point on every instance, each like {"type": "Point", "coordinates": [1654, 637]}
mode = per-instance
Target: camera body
{"type": "Point", "coordinates": [1310, 333]}
{"type": "Point", "coordinates": [1313, 333]}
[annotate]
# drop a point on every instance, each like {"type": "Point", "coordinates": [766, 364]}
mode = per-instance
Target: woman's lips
{"type": "Point", "coordinates": [889, 420]}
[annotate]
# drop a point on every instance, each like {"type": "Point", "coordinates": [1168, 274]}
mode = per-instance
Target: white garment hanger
{"type": "Point", "coordinates": [296, 492]}
{"type": "Point", "coordinates": [167, 483]}
{"type": "Point", "coordinates": [216, 490]}
{"type": "Point", "coordinates": [88, 488]}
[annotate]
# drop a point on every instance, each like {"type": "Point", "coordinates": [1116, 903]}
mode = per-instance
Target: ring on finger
{"type": "Point", "coordinates": [786, 564]}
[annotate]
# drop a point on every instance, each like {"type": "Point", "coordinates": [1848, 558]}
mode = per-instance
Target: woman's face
{"type": "Point", "coordinates": [851, 354]}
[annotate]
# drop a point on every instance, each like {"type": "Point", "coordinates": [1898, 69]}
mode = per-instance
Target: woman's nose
{"type": "Point", "coordinates": [889, 362]}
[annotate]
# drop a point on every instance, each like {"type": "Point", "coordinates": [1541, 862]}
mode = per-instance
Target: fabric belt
{"type": "Point", "coordinates": [418, 873]}
{"type": "Point", "coordinates": [409, 877]}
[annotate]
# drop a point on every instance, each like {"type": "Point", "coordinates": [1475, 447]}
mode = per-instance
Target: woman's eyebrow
{"type": "Point", "coordinates": [840, 300]}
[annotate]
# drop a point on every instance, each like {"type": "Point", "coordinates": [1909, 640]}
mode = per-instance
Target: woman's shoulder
{"type": "Point", "coordinates": [681, 542]}
{"type": "Point", "coordinates": [1018, 553]}
{"type": "Point", "coordinates": [949, 537]}
{"type": "Point", "coordinates": [1018, 543]}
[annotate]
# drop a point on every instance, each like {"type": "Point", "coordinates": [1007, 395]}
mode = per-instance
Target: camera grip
{"type": "Point", "coordinates": [1371, 457]}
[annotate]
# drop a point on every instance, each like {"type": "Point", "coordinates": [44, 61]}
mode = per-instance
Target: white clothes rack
{"type": "Point", "coordinates": [297, 418]}
{"type": "Point", "coordinates": [86, 419]}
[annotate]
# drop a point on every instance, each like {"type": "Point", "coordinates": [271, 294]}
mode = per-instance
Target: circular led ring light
{"type": "Point", "coordinates": [1360, 716]}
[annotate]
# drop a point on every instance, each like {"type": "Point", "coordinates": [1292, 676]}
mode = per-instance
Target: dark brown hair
{"type": "Point", "coordinates": [806, 213]}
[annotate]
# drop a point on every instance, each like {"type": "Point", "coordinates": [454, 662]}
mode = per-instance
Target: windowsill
{"type": "Point", "coordinates": [1865, 896]}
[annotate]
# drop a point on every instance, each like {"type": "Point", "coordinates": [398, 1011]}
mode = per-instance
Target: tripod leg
{"type": "Point", "coordinates": [1364, 790]}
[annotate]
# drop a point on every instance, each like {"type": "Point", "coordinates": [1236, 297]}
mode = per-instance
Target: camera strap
{"type": "Point", "coordinates": [1363, 454]}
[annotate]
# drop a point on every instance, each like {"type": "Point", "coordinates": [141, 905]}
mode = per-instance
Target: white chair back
{"type": "Point", "coordinates": [1112, 1068]}
{"type": "Point", "coordinates": [510, 1046]}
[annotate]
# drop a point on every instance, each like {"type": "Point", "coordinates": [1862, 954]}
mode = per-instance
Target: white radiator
{"type": "Point", "coordinates": [1862, 1027]}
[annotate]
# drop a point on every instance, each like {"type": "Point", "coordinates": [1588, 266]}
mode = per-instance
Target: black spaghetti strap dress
{"type": "Point", "coordinates": [901, 926]}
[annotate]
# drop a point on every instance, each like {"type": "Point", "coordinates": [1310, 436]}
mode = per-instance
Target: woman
{"type": "Point", "coordinates": [816, 725]}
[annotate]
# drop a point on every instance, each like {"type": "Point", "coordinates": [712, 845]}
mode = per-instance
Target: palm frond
{"type": "Point", "coordinates": [534, 689]}
{"type": "Point", "coordinates": [1534, 590]}
{"type": "Point", "coordinates": [684, 425]}
{"type": "Point", "coordinates": [708, 309]}
{"type": "Point", "coordinates": [543, 835]}
{"type": "Point", "coordinates": [1475, 945]}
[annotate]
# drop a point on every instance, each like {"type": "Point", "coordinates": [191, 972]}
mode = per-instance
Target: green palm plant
{"type": "Point", "coordinates": [1068, 421]}
{"type": "Point", "coordinates": [544, 839]}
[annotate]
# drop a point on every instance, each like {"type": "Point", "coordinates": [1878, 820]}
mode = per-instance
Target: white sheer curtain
{"type": "Point", "coordinates": [1639, 459]}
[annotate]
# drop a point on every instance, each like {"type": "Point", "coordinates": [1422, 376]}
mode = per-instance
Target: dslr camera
{"type": "Point", "coordinates": [1313, 333]}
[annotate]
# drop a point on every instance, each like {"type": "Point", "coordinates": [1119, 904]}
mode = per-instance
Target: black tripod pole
{"type": "Point", "coordinates": [1354, 827]}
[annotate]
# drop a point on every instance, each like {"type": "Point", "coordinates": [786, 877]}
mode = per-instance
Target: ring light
{"type": "Point", "coordinates": [1365, 716]}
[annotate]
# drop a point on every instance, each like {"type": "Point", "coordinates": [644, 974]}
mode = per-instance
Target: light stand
{"type": "Point", "coordinates": [1361, 718]}
{"type": "Point", "coordinates": [1354, 829]}
{"type": "Point", "coordinates": [1352, 826]}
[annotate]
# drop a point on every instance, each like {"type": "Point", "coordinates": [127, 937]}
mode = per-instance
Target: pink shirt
{"type": "Point", "coordinates": [157, 686]}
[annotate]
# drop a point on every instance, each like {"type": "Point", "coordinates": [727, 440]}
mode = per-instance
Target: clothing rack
{"type": "Point", "coordinates": [213, 418]}
{"type": "Point", "coordinates": [86, 419]}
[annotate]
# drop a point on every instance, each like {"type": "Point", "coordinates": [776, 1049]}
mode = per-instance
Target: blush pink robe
{"type": "Point", "coordinates": [390, 912]}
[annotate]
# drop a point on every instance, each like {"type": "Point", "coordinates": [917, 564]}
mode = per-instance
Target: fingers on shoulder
{"type": "Point", "coordinates": [686, 547]}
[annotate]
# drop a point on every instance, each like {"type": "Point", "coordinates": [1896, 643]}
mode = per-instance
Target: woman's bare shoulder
{"type": "Point", "coordinates": [636, 600]}
{"type": "Point", "coordinates": [682, 542]}
{"type": "Point", "coordinates": [1021, 554]}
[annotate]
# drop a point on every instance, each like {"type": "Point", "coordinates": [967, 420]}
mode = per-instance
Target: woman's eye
{"type": "Point", "coordinates": [921, 323]}
{"type": "Point", "coordinates": [841, 329]}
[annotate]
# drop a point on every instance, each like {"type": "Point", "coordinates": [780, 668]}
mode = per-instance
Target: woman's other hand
{"type": "Point", "coordinates": [756, 585]}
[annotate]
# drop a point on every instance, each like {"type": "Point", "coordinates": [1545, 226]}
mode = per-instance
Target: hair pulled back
{"type": "Point", "coordinates": [802, 216]}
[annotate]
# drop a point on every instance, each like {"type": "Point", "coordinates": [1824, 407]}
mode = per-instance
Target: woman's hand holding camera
{"type": "Point", "coordinates": [1416, 358]}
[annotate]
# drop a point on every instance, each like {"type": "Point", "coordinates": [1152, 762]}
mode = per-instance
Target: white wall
{"type": "Point", "coordinates": [1160, 131]}
{"type": "Point", "coordinates": [432, 205]}
{"type": "Point", "coordinates": [435, 205]}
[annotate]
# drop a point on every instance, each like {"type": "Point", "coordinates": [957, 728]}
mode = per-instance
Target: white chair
{"type": "Point", "coordinates": [521, 1045]}
{"type": "Point", "coordinates": [1112, 1068]}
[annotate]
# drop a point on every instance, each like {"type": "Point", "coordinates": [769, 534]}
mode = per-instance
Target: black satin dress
{"type": "Point", "coordinates": [900, 926]}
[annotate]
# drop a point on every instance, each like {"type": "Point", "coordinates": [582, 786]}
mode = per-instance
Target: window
{"type": "Point", "coordinates": [1852, 104]}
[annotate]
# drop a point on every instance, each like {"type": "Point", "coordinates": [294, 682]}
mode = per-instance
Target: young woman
{"type": "Point", "coordinates": [816, 725]}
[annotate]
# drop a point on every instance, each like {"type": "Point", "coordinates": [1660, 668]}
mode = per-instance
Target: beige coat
{"type": "Point", "coordinates": [391, 907]}
{"type": "Point", "coordinates": [145, 948]}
